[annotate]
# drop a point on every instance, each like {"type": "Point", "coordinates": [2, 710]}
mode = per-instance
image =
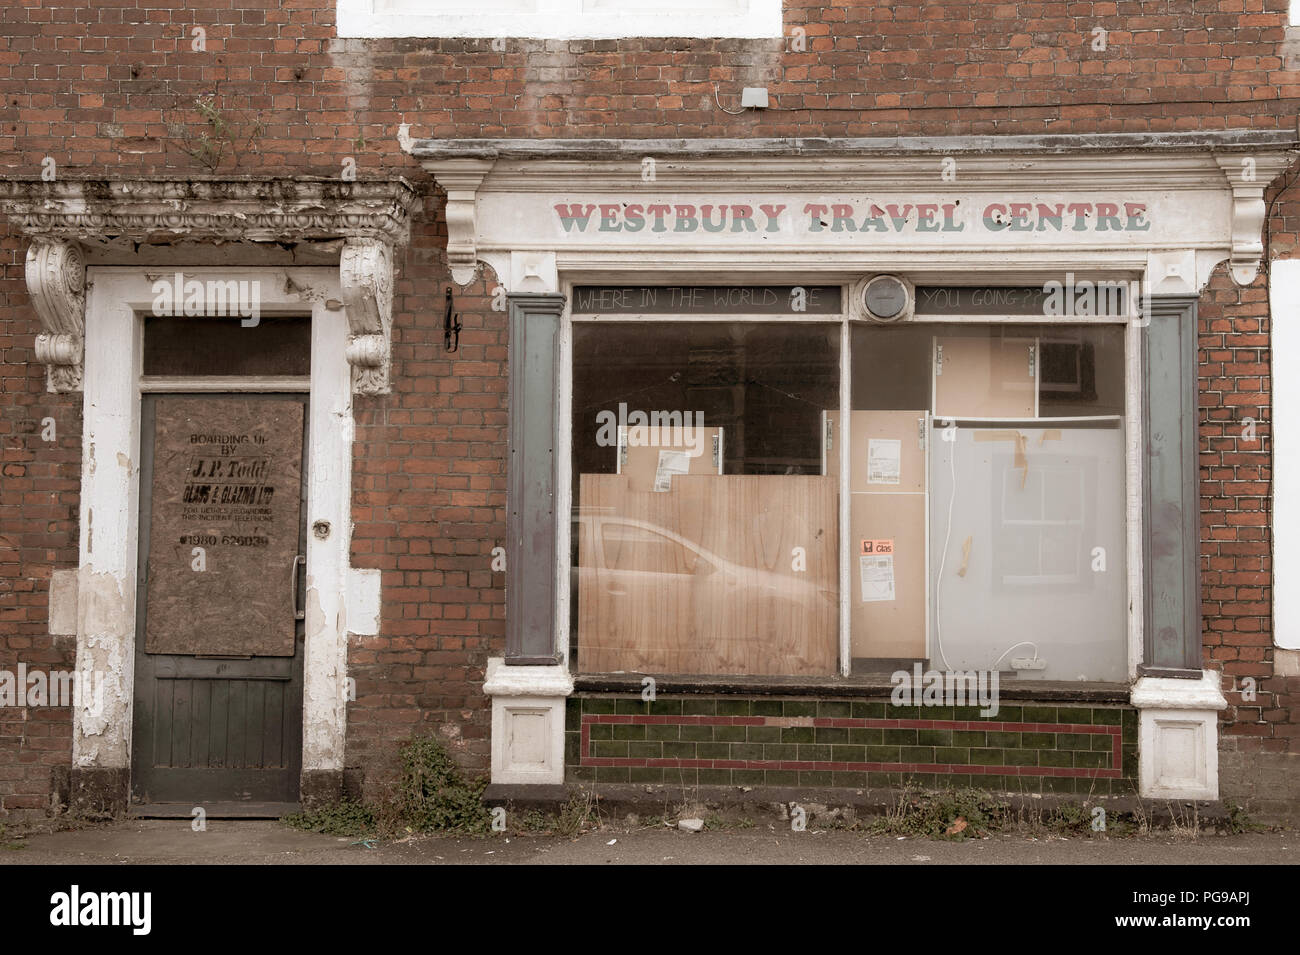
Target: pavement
{"type": "Point", "coordinates": [173, 842]}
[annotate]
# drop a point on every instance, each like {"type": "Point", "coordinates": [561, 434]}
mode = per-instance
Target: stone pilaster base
{"type": "Point", "coordinates": [1178, 736]}
{"type": "Point", "coordinates": [320, 787]}
{"type": "Point", "coordinates": [527, 722]}
{"type": "Point", "coordinates": [98, 792]}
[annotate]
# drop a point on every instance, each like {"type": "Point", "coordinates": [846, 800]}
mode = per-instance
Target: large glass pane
{"type": "Point", "coordinates": [987, 499]}
{"type": "Point", "coordinates": [704, 527]}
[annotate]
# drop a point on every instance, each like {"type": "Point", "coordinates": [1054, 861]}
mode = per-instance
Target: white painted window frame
{"type": "Point", "coordinates": [118, 300]}
{"type": "Point", "coordinates": [1133, 423]}
{"type": "Point", "coordinates": [560, 19]}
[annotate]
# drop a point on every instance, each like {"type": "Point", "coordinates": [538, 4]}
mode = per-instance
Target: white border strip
{"type": "Point", "coordinates": [560, 20]}
{"type": "Point", "coordinates": [1284, 324]}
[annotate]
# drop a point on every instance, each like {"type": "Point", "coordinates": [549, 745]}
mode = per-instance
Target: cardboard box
{"type": "Point", "coordinates": [985, 377]}
{"type": "Point", "coordinates": [886, 450]}
{"type": "Point", "coordinates": [887, 575]}
{"type": "Point", "coordinates": [887, 609]}
{"type": "Point", "coordinates": [651, 466]}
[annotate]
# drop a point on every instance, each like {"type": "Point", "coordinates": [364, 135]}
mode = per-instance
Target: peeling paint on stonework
{"type": "Point", "coordinates": [346, 423]}
{"type": "Point", "coordinates": [304, 293]}
{"type": "Point", "coordinates": [324, 710]}
{"type": "Point", "coordinates": [106, 612]}
{"type": "Point", "coordinates": [124, 461]}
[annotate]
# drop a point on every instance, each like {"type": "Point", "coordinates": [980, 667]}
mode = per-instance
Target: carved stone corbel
{"type": "Point", "coordinates": [56, 282]}
{"type": "Point", "coordinates": [461, 179]}
{"type": "Point", "coordinates": [366, 280]}
{"type": "Point", "coordinates": [1248, 176]}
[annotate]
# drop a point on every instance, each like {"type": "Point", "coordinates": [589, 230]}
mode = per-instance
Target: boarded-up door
{"type": "Point", "coordinates": [218, 689]}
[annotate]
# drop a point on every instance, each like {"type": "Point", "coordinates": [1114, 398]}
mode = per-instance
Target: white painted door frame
{"type": "Point", "coordinates": [117, 301]}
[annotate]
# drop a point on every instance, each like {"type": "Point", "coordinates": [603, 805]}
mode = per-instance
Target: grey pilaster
{"type": "Point", "coordinates": [532, 525]}
{"type": "Point", "coordinates": [1171, 541]}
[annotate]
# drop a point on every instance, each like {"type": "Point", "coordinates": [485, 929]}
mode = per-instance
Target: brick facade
{"type": "Point", "coordinates": [109, 89]}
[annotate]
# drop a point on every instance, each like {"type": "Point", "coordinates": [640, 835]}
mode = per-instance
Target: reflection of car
{"type": "Point", "coordinates": [626, 558]}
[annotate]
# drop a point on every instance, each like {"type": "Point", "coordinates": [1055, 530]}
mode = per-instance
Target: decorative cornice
{"type": "Point", "coordinates": [855, 147]}
{"type": "Point", "coordinates": [56, 282]}
{"type": "Point", "coordinates": [653, 174]}
{"type": "Point", "coordinates": [369, 216]}
{"type": "Point", "coordinates": [231, 209]}
{"type": "Point", "coordinates": [461, 178]}
{"type": "Point", "coordinates": [1249, 174]}
{"type": "Point", "coordinates": [1187, 167]}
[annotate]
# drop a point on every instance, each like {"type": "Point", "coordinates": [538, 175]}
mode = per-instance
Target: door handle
{"type": "Point", "coordinates": [293, 587]}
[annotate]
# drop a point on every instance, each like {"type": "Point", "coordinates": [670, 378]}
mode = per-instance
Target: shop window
{"type": "Point", "coordinates": [559, 19]}
{"type": "Point", "coordinates": [704, 526]}
{"type": "Point", "coordinates": [985, 497]}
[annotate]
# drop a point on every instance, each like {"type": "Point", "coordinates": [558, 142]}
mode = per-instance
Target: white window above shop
{"type": "Point", "coordinates": [559, 19]}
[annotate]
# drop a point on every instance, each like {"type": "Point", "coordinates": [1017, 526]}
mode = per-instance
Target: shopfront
{"type": "Point", "coordinates": [831, 464]}
{"type": "Point", "coordinates": [843, 463]}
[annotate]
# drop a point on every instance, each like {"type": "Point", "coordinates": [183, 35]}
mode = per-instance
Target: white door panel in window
{"type": "Point", "coordinates": [1027, 544]}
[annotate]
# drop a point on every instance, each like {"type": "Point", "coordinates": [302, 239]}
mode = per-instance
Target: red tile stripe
{"type": "Point", "coordinates": [1113, 772]}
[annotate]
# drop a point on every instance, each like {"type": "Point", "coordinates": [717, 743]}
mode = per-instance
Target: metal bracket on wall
{"type": "Point", "coordinates": [451, 326]}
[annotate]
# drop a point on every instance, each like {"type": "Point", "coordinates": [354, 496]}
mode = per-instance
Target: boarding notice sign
{"type": "Point", "coordinates": [877, 577]}
{"type": "Point", "coordinates": [884, 460]}
{"type": "Point", "coordinates": [224, 526]}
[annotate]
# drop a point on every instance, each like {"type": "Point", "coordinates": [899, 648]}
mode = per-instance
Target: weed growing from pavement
{"type": "Point", "coordinates": [1239, 821]}
{"type": "Point", "coordinates": [5, 842]}
{"type": "Point", "coordinates": [578, 813]}
{"type": "Point", "coordinates": [947, 814]}
{"type": "Point", "coordinates": [432, 795]}
{"type": "Point", "coordinates": [343, 818]}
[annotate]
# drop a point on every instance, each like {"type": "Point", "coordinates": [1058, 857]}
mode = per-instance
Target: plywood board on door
{"type": "Point", "coordinates": [706, 578]}
{"type": "Point", "coordinates": [225, 526]}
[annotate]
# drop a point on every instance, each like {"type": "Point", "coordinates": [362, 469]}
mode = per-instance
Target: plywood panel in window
{"type": "Point", "coordinates": [704, 579]}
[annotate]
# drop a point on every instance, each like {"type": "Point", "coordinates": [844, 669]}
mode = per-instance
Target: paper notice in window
{"type": "Point", "coordinates": [877, 577]}
{"type": "Point", "coordinates": [670, 463]}
{"type": "Point", "coordinates": [883, 461]}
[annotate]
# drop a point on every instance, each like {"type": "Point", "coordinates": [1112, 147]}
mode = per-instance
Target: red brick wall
{"type": "Point", "coordinates": [1259, 734]}
{"type": "Point", "coordinates": [96, 86]}
{"type": "Point", "coordinates": [109, 87]}
{"type": "Point", "coordinates": [429, 506]}
{"type": "Point", "coordinates": [39, 498]}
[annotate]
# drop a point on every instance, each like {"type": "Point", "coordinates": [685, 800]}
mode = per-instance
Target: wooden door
{"type": "Point", "coordinates": [219, 639]}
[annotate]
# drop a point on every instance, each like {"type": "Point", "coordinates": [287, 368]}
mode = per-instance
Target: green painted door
{"type": "Point", "coordinates": [219, 642]}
